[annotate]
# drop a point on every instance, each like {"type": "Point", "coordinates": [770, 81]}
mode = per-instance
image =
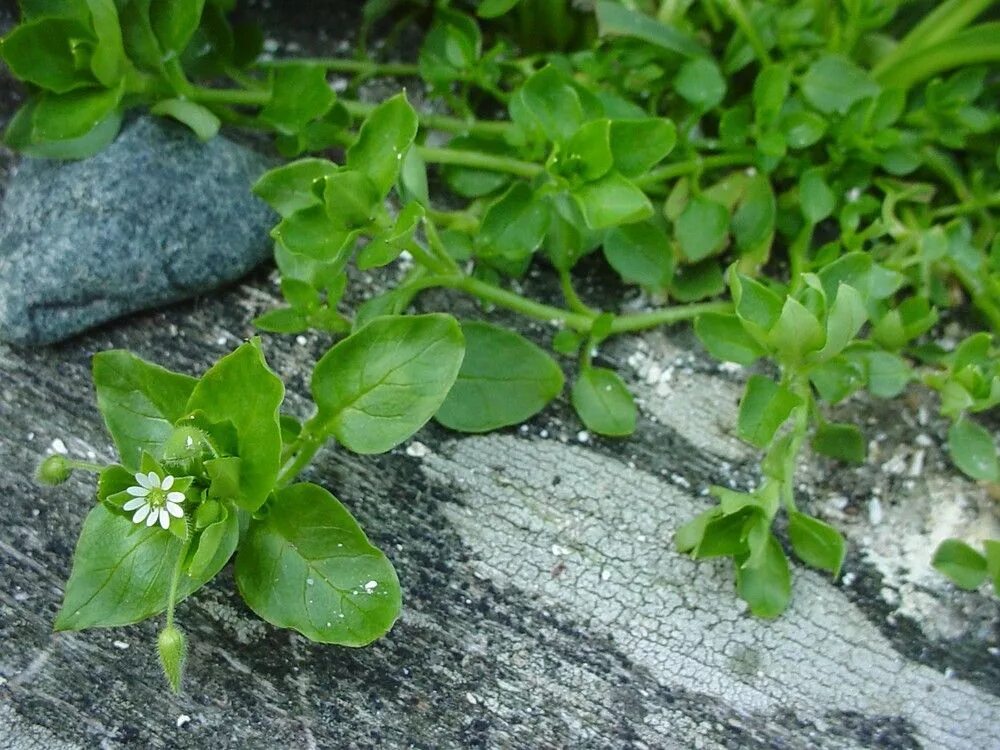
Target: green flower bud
{"type": "Point", "coordinates": [184, 449]}
{"type": "Point", "coordinates": [53, 470]}
{"type": "Point", "coordinates": [172, 645]}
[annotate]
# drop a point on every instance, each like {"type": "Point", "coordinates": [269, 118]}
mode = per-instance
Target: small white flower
{"type": "Point", "coordinates": [153, 501]}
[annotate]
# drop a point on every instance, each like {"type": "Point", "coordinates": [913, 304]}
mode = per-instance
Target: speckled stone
{"type": "Point", "coordinates": [156, 217]}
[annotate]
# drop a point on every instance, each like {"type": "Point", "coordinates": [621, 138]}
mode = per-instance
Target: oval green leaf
{"type": "Point", "coordinates": [308, 566]}
{"type": "Point", "coordinates": [604, 403]}
{"type": "Point", "coordinates": [504, 380]}
{"type": "Point", "coordinates": [380, 385]}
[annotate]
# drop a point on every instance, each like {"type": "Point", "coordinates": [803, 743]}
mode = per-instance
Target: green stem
{"type": "Point", "coordinates": [573, 301]}
{"type": "Point", "coordinates": [438, 248]}
{"type": "Point", "coordinates": [177, 78]}
{"type": "Point", "coordinates": [306, 446]}
{"type": "Point", "coordinates": [248, 97]}
{"type": "Point", "coordinates": [175, 579]}
{"type": "Point", "coordinates": [519, 304]}
{"type": "Point", "coordinates": [690, 166]}
{"type": "Point", "coordinates": [666, 316]}
{"type": "Point", "coordinates": [83, 465]}
{"type": "Point", "coordinates": [365, 68]}
{"type": "Point", "coordinates": [487, 128]}
{"type": "Point", "coordinates": [480, 160]}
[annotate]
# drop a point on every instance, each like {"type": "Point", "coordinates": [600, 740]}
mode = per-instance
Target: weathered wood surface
{"type": "Point", "coordinates": [543, 605]}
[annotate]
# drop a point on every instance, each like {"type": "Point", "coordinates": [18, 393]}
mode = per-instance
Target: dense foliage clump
{"type": "Point", "coordinates": [812, 184]}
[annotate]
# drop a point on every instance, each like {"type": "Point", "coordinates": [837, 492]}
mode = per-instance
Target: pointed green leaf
{"type": "Point", "coordinates": [308, 566]}
{"type": "Point", "coordinates": [380, 385]}
{"type": "Point", "coordinates": [140, 402]}
{"type": "Point", "coordinates": [240, 388]}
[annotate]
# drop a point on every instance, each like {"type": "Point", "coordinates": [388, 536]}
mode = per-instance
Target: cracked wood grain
{"type": "Point", "coordinates": [543, 607]}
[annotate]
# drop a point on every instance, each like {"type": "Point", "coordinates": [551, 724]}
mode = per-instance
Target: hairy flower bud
{"type": "Point", "coordinates": [53, 470]}
{"type": "Point", "coordinates": [172, 645]}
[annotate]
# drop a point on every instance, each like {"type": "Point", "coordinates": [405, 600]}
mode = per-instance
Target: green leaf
{"type": "Point", "coordinates": [380, 385]}
{"type": "Point", "coordinates": [20, 136]}
{"type": "Point", "coordinates": [843, 442]}
{"type": "Point", "coordinates": [770, 91]}
{"type": "Point", "coordinates": [638, 145]}
{"type": "Point", "coordinates": [698, 281]}
{"type": "Point", "coordinates": [815, 197]}
{"type": "Point", "coordinates": [833, 83]}
{"type": "Point", "coordinates": [495, 8]}
{"type": "Point", "coordinates": [240, 388]}
{"type": "Point", "coordinates": [796, 332]}
{"type": "Point", "coordinates": [587, 155]}
{"type": "Point", "coordinates": [700, 82]}
{"type": "Point", "coordinates": [604, 403]}
{"type": "Point", "coordinates": [726, 338]}
{"type": "Point", "coordinates": [614, 19]}
{"type": "Point", "coordinates": [802, 129]}
{"type": "Point", "coordinates": [282, 320]}
{"type": "Point", "coordinates": [42, 52]}
{"type": "Point", "coordinates": [59, 117]}
{"type": "Point", "coordinates": [966, 568]}
{"type": "Point", "coordinates": [973, 450]}
{"type": "Point", "coordinates": [755, 303]}
{"type": "Point", "coordinates": [299, 94]}
{"type": "Point", "coordinates": [312, 233]}
{"type": "Point", "coordinates": [843, 321]}
{"type": "Point", "coordinates": [121, 573]}
{"type": "Point", "coordinates": [514, 225]}
{"type": "Point", "coordinates": [764, 408]}
{"type": "Point", "coordinates": [215, 544]}
{"type": "Point", "coordinates": [141, 45]}
{"type": "Point", "coordinates": [351, 198]}
{"type": "Point", "coordinates": [200, 119]}
{"type": "Point", "coordinates": [504, 380]}
{"type": "Point", "coordinates": [140, 403]}
{"type": "Point", "coordinates": [451, 49]}
{"type": "Point", "coordinates": [412, 185]}
{"type": "Point", "coordinates": [725, 534]}
{"type": "Point", "coordinates": [753, 221]}
{"type": "Point", "coordinates": [290, 188]}
{"type": "Point", "coordinates": [836, 379]}
{"type": "Point", "coordinates": [108, 59]}
{"type": "Point", "coordinates": [702, 228]}
{"type": "Point", "coordinates": [767, 585]}
{"type": "Point", "coordinates": [612, 201]}
{"type": "Point", "coordinates": [385, 137]}
{"type": "Point", "coordinates": [308, 566]}
{"type": "Point", "coordinates": [174, 23]}
{"type": "Point", "coordinates": [689, 536]}
{"type": "Point", "coordinates": [886, 374]}
{"type": "Point", "coordinates": [474, 183]}
{"type": "Point", "coordinates": [641, 254]}
{"type": "Point", "coordinates": [553, 103]}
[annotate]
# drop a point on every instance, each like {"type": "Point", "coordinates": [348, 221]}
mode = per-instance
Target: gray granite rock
{"type": "Point", "coordinates": [156, 217]}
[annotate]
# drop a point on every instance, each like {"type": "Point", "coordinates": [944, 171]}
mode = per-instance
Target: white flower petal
{"type": "Point", "coordinates": [174, 509]}
{"type": "Point", "coordinates": [164, 519]}
{"type": "Point", "coordinates": [140, 515]}
{"type": "Point", "coordinates": [152, 519]}
{"type": "Point", "coordinates": [137, 491]}
{"type": "Point", "coordinates": [154, 480]}
{"type": "Point", "coordinates": [135, 502]}
{"type": "Point", "coordinates": [143, 480]}
{"type": "Point", "coordinates": [175, 497]}
{"type": "Point", "coordinates": [168, 482]}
